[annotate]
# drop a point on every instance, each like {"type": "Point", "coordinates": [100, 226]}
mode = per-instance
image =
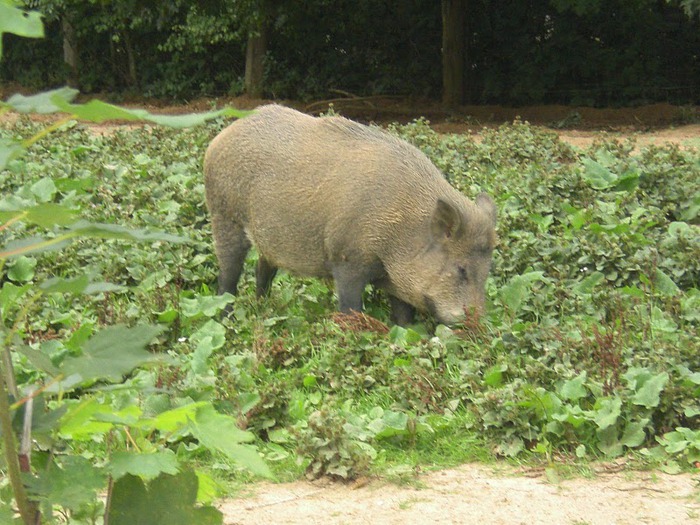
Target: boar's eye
{"type": "Point", "coordinates": [462, 273]}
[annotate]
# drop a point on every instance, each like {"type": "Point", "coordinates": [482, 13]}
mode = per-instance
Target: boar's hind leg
{"type": "Point", "coordinates": [402, 313]}
{"type": "Point", "coordinates": [264, 273]}
{"type": "Point", "coordinates": [232, 245]}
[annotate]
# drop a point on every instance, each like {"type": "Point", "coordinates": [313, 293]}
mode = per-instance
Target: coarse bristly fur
{"type": "Point", "coordinates": [329, 197]}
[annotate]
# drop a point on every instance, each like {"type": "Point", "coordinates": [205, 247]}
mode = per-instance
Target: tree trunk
{"type": "Point", "coordinates": [255, 61]}
{"type": "Point", "coordinates": [70, 52]}
{"type": "Point", "coordinates": [131, 78]}
{"type": "Point", "coordinates": [453, 51]}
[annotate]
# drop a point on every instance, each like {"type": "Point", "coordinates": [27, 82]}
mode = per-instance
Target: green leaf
{"type": "Point", "coordinates": [664, 284]}
{"type": "Point", "coordinates": [98, 111]}
{"type": "Point", "coordinates": [41, 102]}
{"type": "Point", "coordinates": [22, 269]}
{"type": "Point", "coordinates": [75, 285]}
{"type": "Point", "coordinates": [608, 411]}
{"type": "Point", "coordinates": [78, 421]}
{"type": "Point", "coordinates": [608, 441]}
{"type": "Point", "coordinates": [114, 231]}
{"type": "Point", "coordinates": [167, 500]}
{"type": "Point", "coordinates": [493, 377]}
{"type": "Point", "coordinates": [634, 435]}
{"type": "Point", "coordinates": [648, 395]}
{"type": "Point", "coordinates": [598, 176]}
{"type": "Point", "coordinates": [175, 419]}
{"type": "Point", "coordinates": [514, 294]}
{"type": "Point", "coordinates": [38, 359]}
{"type": "Point", "coordinates": [72, 484]}
{"type": "Point", "coordinates": [44, 189]}
{"type": "Point", "coordinates": [9, 150]}
{"type": "Point", "coordinates": [573, 389]}
{"type": "Point", "coordinates": [114, 352]}
{"type": "Point", "coordinates": [145, 466]}
{"type": "Point", "coordinates": [19, 22]}
{"type": "Point", "coordinates": [208, 305]}
{"type": "Point", "coordinates": [219, 432]}
{"type": "Point", "coordinates": [45, 215]}
{"type": "Point", "coordinates": [587, 285]}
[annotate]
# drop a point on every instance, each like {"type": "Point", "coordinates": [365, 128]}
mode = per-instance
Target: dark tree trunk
{"type": "Point", "coordinates": [131, 77]}
{"type": "Point", "coordinates": [255, 61]}
{"type": "Point", "coordinates": [453, 51]}
{"type": "Point", "coordinates": [70, 53]}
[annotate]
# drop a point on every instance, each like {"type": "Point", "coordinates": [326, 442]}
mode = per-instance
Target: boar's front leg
{"type": "Point", "coordinates": [350, 281]}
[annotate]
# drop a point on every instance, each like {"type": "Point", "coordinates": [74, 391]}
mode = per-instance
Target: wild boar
{"type": "Point", "coordinates": [329, 197]}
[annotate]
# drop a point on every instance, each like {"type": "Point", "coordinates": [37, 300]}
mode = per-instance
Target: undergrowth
{"type": "Point", "coordinates": [589, 347]}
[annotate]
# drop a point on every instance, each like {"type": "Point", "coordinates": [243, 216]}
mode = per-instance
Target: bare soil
{"type": "Point", "coordinates": [476, 494]}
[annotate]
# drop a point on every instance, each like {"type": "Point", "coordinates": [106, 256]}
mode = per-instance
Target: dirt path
{"type": "Point", "coordinates": [476, 494]}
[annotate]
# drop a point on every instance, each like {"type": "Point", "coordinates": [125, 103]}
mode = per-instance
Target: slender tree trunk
{"type": "Point", "coordinates": [70, 52]}
{"type": "Point", "coordinates": [255, 61]}
{"type": "Point", "coordinates": [131, 79]}
{"type": "Point", "coordinates": [453, 51]}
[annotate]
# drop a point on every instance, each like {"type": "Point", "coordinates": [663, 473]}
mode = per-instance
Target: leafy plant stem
{"type": "Point", "coordinates": [12, 221]}
{"type": "Point", "coordinates": [11, 458]}
{"type": "Point", "coordinates": [37, 246]}
{"type": "Point", "coordinates": [46, 131]}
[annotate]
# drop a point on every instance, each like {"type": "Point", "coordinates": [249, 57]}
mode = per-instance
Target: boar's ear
{"type": "Point", "coordinates": [485, 202]}
{"type": "Point", "coordinates": [446, 221]}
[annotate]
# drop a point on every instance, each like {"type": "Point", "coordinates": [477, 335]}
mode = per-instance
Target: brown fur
{"type": "Point", "coordinates": [328, 197]}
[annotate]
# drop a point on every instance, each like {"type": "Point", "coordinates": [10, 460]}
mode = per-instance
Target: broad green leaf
{"type": "Point", "coordinates": [44, 189]}
{"type": "Point", "coordinates": [22, 269]}
{"type": "Point", "coordinates": [607, 413]}
{"type": "Point", "coordinates": [219, 432]}
{"type": "Point", "coordinates": [587, 285]}
{"type": "Point", "coordinates": [78, 421]}
{"type": "Point", "coordinates": [628, 181]}
{"type": "Point", "coordinates": [167, 500]}
{"type": "Point", "coordinates": [514, 294]}
{"type": "Point", "coordinates": [98, 111]}
{"type": "Point", "coordinates": [19, 22]}
{"type": "Point", "coordinates": [493, 377]}
{"type": "Point", "coordinates": [9, 150]}
{"type": "Point", "coordinates": [41, 102]}
{"type": "Point", "coordinates": [208, 305]}
{"type": "Point", "coordinates": [573, 389]}
{"type": "Point", "coordinates": [78, 285]}
{"type": "Point", "coordinates": [649, 394]}
{"type": "Point", "coordinates": [114, 352]}
{"type": "Point", "coordinates": [72, 484]}
{"type": "Point", "coordinates": [598, 176]}
{"type": "Point", "coordinates": [145, 466]}
{"type": "Point", "coordinates": [175, 419]}
{"type": "Point", "coordinates": [664, 284]}
{"type": "Point", "coordinates": [114, 231]}
{"type": "Point", "coordinates": [208, 338]}
{"type": "Point", "coordinates": [634, 435]}
{"type": "Point", "coordinates": [38, 359]}
{"type": "Point", "coordinates": [32, 245]}
{"type": "Point", "coordinates": [45, 215]}
{"type": "Point", "coordinates": [609, 442]}
{"type": "Point", "coordinates": [10, 295]}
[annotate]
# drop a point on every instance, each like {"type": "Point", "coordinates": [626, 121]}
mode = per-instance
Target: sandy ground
{"type": "Point", "coordinates": [476, 494]}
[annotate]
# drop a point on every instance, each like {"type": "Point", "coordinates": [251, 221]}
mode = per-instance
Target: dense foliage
{"type": "Point", "coordinates": [589, 348]}
{"type": "Point", "coordinates": [589, 52]}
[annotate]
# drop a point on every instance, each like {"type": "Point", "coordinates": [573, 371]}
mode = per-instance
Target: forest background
{"type": "Point", "coordinates": [576, 52]}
